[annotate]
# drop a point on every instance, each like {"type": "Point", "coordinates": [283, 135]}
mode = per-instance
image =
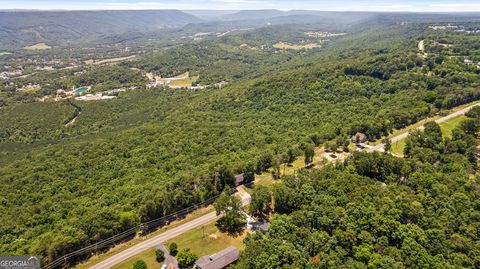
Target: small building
{"type": "Point", "coordinates": [239, 179]}
{"type": "Point", "coordinates": [359, 138]}
{"type": "Point", "coordinates": [220, 260]}
{"type": "Point", "coordinates": [221, 84]}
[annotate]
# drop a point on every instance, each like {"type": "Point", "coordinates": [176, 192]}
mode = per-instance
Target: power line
{"type": "Point", "coordinates": [142, 226]}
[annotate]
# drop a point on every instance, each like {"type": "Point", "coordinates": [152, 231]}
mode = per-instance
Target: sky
{"type": "Point", "coordinates": [327, 5]}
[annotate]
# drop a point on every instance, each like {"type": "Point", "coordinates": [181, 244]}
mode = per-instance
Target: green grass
{"type": "Point", "coordinates": [5, 53]}
{"type": "Point", "coordinates": [397, 148]}
{"type": "Point", "coordinates": [266, 177]}
{"type": "Point", "coordinates": [147, 256]}
{"type": "Point", "coordinates": [448, 126]}
{"type": "Point", "coordinates": [119, 248]}
{"type": "Point", "coordinates": [184, 82]}
{"type": "Point", "coordinates": [207, 240]}
{"type": "Point", "coordinates": [421, 123]}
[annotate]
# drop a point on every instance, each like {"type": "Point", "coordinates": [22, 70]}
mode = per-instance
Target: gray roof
{"type": "Point", "coordinates": [239, 178]}
{"type": "Point", "coordinates": [219, 260]}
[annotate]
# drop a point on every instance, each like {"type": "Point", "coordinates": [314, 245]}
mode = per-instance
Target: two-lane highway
{"type": "Point", "coordinates": [165, 236]}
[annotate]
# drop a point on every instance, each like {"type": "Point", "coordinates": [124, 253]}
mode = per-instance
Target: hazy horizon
{"type": "Point", "coordinates": [439, 6]}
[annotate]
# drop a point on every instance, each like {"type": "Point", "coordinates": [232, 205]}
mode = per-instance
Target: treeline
{"type": "Point", "coordinates": [148, 153]}
{"type": "Point", "coordinates": [375, 210]}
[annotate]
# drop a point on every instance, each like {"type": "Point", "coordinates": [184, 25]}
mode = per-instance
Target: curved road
{"type": "Point", "coordinates": [440, 120]}
{"type": "Point", "coordinates": [172, 233]}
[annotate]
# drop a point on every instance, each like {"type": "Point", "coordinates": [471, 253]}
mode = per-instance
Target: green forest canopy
{"type": "Point", "coordinates": [149, 153]}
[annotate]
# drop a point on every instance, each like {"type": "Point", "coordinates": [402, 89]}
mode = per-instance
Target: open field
{"type": "Point", "coordinates": [286, 46]}
{"type": "Point", "coordinates": [397, 147]}
{"type": "Point", "coordinates": [39, 46]}
{"type": "Point", "coordinates": [185, 82]}
{"type": "Point", "coordinates": [5, 53]}
{"type": "Point", "coordinates": [207, 240]}
{"type": "Point", "coordinates": [147, 256]}
{"type": "Point", "coordinates": [113, 60]}
{"type": "Point", "coordinates": [448, 126]}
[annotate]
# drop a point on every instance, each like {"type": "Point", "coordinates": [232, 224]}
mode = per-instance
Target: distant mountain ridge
{"type": "Point", "coordinates": [22, 28]}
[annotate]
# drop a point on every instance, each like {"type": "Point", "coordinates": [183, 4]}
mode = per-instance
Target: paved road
{"type": "Point", "coordinates": [158, 239]}
{"type": "Point", "coordinates": [399, 137]}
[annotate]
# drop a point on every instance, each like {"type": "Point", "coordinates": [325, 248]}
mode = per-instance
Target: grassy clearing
{"type": "Point", "coordinates": [5, 53]}
{"type": "Point", "coordinates": [397, 148]}
{"type": "Point", "coordinates": [121, 247]}
{"type": "Point", "coordinates": [448, 126]}
{"type": "Point", "coordinates": [422, 122]}
{"type": "Point", "coordinates": [286, 46]}
{"type": "Point", "coordinates": [39, 46]}
{"type": "Point", "coordinates": [266, 177]}
{"type": "Point", "coordinates": [147, 256]}
{"type": "Point", "coordinates": [186, 82]}
{"type": "Point", "coordinates": [207, 240]}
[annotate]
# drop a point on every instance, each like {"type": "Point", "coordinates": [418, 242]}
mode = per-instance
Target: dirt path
{"type": "Point", "coordinates": [78, 111]}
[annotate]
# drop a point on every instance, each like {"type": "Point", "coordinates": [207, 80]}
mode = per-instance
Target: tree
{"type": "Point", "coordinates": [388, 144]}
{"type": "Point", "coordinates": [173, 248]}
{"type": "Point", "coordinates": [186, 259]}
{"type": "Point", "coordinates": [140, 264]}
{"type": "Point", "coordinates": [160, 256]}
{"type": "Point", "coordinates": [331, 146]}
{"type": "Point", "coordinates": [232, 220]}
{"type": "Point", "coordinates": [277, 162]}
{"type": "Point", "coordinates": [261, 204]}
{"type": "Point", "coordinates": [316, 139]}
{"type": "Point", "coordinates": [309, 153]}
{"type": "Point", "coordinates": [248, 173]}
{"type": "Point", "coordinates": [291, 156]}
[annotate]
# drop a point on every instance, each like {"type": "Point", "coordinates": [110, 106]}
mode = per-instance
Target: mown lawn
{"type": "Point", "coordinates": [207, 240]}
{"type": "Point", "coordinates": [397, 148]}
{"type": "Point", "coordinates": [147, 256]}
{"type": "Point", "coordinates": [448, 126]}
{"type": "Point", "coordinates": [119, 248]}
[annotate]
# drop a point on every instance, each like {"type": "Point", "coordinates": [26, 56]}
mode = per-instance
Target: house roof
{"type": "Point", "coordinates": [239, 178]}
{"type": "Point", "coordinates": [219, 260]}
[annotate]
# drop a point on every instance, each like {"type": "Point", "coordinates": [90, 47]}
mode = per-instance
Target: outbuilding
{"type": "Point", "coordinates": [239, 179]}
{"type": "Point", "coordinates": [220, 260]}
{"type": "Point", "coordinates": [359, 138]}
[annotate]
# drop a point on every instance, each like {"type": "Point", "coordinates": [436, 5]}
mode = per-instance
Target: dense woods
{"type": "Point", "coordinates": [151, 152]}
{"type": "Point", "coordinates": [376, 210]}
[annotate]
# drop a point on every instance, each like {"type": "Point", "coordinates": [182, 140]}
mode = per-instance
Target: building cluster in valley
{"type": "Point", "coordinates": [182, 81]}
{"type": "Point", "coordinates": [471, 62]}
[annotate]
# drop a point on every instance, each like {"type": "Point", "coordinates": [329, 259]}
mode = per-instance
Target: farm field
{"type": "Point", "coordinates": [287, 46]}
{"type": "Point", "coordinates": [39, 46]}
{"type": "Point", "coordinates": [184, 82]}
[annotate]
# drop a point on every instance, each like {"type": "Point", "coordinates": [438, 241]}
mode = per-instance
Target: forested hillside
{"type": "Point", "coordinates": [23, 28]}
{"type": "Point", "coordinates": [151, 152]}
{"type": "Point", "coordinates": [376, 210]}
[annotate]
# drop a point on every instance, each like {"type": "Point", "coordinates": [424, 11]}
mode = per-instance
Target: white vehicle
{"type": "Point", "coordinates": [164, 266]}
